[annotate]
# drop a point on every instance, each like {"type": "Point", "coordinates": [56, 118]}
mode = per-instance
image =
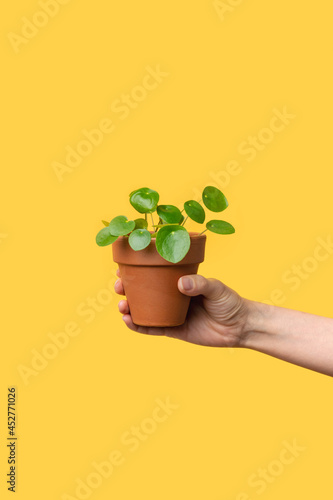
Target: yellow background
{"type": "Point", "coordinates": [225, 77]}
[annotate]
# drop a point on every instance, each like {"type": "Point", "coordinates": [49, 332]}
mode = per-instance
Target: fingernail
{"type": "Point", "coordinates": [117, 281]}
{"type": "Point", "coordinates": [187, 283]}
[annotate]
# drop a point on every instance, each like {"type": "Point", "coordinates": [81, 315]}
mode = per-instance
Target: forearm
{"type": "Point", "coordinates": [297, 337]}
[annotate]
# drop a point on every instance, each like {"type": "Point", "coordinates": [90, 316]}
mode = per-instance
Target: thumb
{"type": "Point", "coordinates": [195, 284]}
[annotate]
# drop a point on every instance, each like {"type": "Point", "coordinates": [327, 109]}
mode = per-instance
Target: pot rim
{"type": "Point", "coordinates": [124, 254]}
{"type": "Point", "coordinates": [193, 234]}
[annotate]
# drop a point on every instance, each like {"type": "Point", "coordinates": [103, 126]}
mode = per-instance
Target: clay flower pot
{"type": "Point", "coordinates": [150, 282]}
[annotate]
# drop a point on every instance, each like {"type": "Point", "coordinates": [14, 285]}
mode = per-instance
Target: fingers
{"type": "Point", "coordinates": [123, 307]}
{"type": "Point", "coordinates": [128, 322]}
{"type": "Point", "coordinates": [194, 284]}
{"type": "Point", "coordinates": [118, 273]}
{"type": "Point", "coordinates": [123, 304]}
{"type": "Point", "coordinates": [118, 287]}
{"type": "Point", "coordinates": [147, 330]}
{"type": "Point", "coordinates": [125, 311]}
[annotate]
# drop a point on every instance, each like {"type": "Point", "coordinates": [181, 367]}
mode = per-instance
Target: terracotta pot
{"type": "Point", "coordinates": [150, 282]}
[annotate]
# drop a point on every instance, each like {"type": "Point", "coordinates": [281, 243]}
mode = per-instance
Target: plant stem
{"type": "Point", "coordinates": [184, 221]}
{"type": "Point", "coordinates": [203, 232]}
{"type": "Point", "coordinates": [146, 217]}
{"type": "Point", "coordinates": [152, 220]}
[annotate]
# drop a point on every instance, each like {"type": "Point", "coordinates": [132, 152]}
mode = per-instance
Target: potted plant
{"type": "Point", "coordinates": [152, 260]}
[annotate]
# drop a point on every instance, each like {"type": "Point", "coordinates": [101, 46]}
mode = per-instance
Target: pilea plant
{"type": "Point", "coordinates": [172, 238]}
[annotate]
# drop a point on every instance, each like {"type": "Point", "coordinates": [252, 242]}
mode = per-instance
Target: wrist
{"type": "Point", "coordinates": [255, 326]}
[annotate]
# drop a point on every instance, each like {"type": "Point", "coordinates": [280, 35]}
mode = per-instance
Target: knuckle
{"type": "Point", "coordinates": [217, 287]}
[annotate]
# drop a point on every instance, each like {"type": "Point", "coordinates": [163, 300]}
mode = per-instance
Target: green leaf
{"type": "Point", "coordinates": [139, 239]}
{"type": "Point", "coordinates": [106, 223]}
{"type": "Point", "coordinates": [195, 211]}
{"type": "Point", "coordinates": [220, 227]}
{"type": "Point", "coordinates": [144, 200]}
{"type": "Point", "coordinates": [214, 199]}
{"type": "Point", "coordinates": [140, 224]}
{"type": "Point", "coordinates": [120, 225]}
{"type": "Point", "coordinates": [104, 237]}
{"type": "Point", "coordinates": [173, 242]}
{"type": "Point", "coordinates": [169, 214]}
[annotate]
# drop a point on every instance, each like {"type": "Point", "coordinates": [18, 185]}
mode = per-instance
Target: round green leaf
{"type": "Point", "coordinates": [220, 227]}
{"type": "Point", "coordinates": [169, 214]}
{"type": "Point", "coordinates": [140, 224]}
{"type": "Point", "coordinates": [139, 239]}
{"type": "Point", "coordinates": [104, 237]}
{"type": "Point", "coordinates": [214, 199]}
{"type": "Point", "coordinates": [144, 200]}
{"type": "Point", "coordinates": [195, 211]}
{"type": "Point", "coordinates": [172, 243]}
{"type": "Point", "coordinates": [120, 225]}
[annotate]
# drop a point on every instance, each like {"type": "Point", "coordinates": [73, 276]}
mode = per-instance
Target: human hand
{"type": "Point", "coordinates": [217, 315]}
